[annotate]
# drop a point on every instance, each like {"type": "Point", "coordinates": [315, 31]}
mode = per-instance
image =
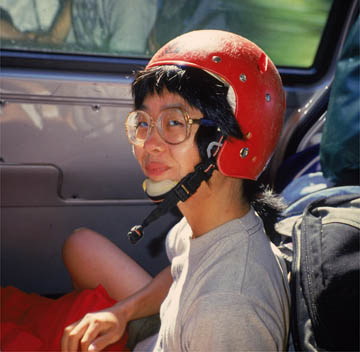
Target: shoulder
{"type": "Point", "coordinates": [177, 238]}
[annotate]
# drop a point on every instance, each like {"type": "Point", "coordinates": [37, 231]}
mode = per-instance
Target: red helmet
{"type": "Point", "coordinates": [259, 98]}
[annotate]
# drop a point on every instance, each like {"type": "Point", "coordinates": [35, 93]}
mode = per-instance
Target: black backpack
{"type": "Point", "coordinates": [324, 282]}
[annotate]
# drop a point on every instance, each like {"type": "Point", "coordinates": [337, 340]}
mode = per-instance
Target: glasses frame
{"type": "Point", "coordinates": [189, 121]}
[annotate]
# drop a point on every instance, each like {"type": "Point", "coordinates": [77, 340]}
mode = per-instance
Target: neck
{"type": "Point", "coordinates": [215, 203]}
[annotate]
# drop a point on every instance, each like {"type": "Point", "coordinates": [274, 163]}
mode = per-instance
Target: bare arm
{"type": "Point", "coordinates": [97, 330]}
{"type": "Point", "coordinates": [60, 29]}
{"type": "Point", "coordinates": [147, 301]}
{"type": "Point", "coordinates": [62, 26]}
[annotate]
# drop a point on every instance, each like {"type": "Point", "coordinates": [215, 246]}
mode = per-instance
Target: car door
{"type": "Point", "coordinates": [66, 71]}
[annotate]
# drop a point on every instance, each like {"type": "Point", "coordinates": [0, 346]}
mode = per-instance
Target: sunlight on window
{"type": "Point", "coordinates": [289, 30]}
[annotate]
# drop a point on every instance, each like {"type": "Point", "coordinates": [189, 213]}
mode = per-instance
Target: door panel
{"type": "Point", "coordinates": [35, 222]}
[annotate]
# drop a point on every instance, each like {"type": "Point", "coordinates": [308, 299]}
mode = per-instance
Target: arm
{"type": "Point", "coordinates": [60, 29]}
{"type": "Point", "coordinates": [97, 330]}
{"type": "Point", "coordinates": [148, 300]}
{"type": "Point", "coordinates": [62, 26]}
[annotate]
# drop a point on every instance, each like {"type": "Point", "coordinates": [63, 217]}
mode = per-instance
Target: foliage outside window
{"type": "Point", "coordinates": [288, 30]}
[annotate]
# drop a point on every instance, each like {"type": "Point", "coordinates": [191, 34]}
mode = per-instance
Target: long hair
{"type": "Point", "coordinates": [209, 95]}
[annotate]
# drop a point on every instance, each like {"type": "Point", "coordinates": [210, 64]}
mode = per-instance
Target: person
{"type": "Point", "coordinates": [182, 16]}
{"type": "Point", "coordinates": [208, 113]}
{"type": "Point", "coordinates": [108, 26]}
{"type": "Point", "coordinates": [25, 21]}
{"type": "Point", "coordinates": [80, 25]}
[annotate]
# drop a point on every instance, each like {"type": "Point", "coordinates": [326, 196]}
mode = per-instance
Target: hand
{"type": "Point", "coordinates": [93, 332]}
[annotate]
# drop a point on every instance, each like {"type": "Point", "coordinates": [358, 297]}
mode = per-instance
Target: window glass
{"type": "Point", "coordinates": [288, 30]}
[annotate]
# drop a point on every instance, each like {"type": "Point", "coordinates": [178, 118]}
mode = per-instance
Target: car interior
{"type": "Point", "coordinates": [65, 162]}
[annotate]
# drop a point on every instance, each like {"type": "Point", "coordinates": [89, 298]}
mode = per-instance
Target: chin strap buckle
{"type": "Point", "coordinates": [188, 186]}
{"type": "Point", "coordinates": [135, 234]}
{"type": "Point", "coordinates": [181, 192]}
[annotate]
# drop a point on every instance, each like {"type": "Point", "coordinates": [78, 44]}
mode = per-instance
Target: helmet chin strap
{"type": "Point", "coordinates": [157, 191]}
{"type": "Point", "coordinates": [182, 191]}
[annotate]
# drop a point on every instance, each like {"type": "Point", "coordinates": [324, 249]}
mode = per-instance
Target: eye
{"type": "Point", "coordinates": [142, 124]}
{"type": "Point", "coordinates": [172, 118]}
{"type": "Point", "coordinates": [175, 123]}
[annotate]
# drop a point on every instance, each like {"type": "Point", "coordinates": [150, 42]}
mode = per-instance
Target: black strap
{"type": "Point", "coordinates": [181, 192]}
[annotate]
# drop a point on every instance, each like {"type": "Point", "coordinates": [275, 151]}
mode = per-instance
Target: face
{"type": "Point", "coordinates": [158, 159]}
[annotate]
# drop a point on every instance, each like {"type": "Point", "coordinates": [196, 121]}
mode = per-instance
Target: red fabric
{"type": "Point", "coordinates": [30, 322]}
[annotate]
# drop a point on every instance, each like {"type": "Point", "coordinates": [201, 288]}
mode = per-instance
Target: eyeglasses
{"type": "Point", "coordinates": [173, 125]}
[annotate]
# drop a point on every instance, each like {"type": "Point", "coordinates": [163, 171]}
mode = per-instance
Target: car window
{"type": "Point", "coordinates": [288, 30]}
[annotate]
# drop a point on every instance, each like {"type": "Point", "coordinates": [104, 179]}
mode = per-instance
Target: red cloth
{"type": "Point", "coordinates": [30, 322]}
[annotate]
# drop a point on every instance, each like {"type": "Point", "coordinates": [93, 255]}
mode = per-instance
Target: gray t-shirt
{"type": "Point", "coordinates": [230, 292]}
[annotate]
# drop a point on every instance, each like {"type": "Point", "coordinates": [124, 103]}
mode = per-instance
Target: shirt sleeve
{"type": "Point", "coordinates": [174, 242]}
{"type": "Point", "coordinates": [232, 322]}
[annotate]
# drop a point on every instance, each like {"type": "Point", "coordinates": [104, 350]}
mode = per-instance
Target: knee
{"type": "Point", "coordinates": [78, 244]}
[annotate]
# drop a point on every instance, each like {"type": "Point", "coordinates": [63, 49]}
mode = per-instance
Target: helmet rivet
{"type": "Point", "coordinates": [244, 152]}
{"type": "Point", "coordinates": [243, 77]}
{"type": "Point", "coordinates": [248, 135]}
{"type": "Point", "coordinates": [216, 59]}
{"type": "Point", "coordinates": [268, 97]}
{"type": "Point", "coordinates": [253, 159]}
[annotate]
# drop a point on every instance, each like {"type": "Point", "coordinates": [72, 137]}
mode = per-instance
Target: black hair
{"type": "Point", "coordinates": [208, 94]}
{"type": "Point", "coordinates": [268, 204]}
{"type": "Point", "coordinates": [200, 90]}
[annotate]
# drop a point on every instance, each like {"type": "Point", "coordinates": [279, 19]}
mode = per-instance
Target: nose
{"type": "Point", "coordinates": [154, 142]}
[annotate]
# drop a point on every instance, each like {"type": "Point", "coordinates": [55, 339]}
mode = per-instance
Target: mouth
{"type": "Point", "coordinates": [155, 169]}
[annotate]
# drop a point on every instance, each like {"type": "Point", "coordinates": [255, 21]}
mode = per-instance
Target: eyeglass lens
{"type": "Point", "coordinates": [171, 125]}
